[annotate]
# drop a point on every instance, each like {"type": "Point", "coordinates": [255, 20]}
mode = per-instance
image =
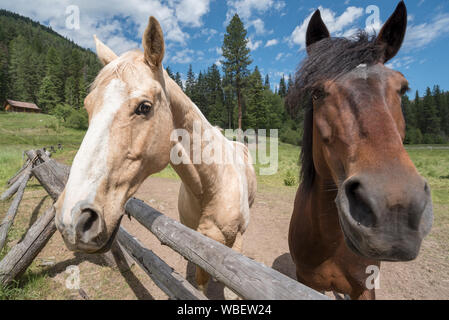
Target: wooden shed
{"type": "Point", "coordinates": [18, 106]}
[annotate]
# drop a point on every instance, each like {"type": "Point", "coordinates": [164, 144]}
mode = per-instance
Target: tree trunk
{"type": "Point", "coordinates": [239, 102]}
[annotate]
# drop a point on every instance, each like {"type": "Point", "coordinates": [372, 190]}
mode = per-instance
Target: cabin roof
{"type": "Point", "coordinates": [19, 104]}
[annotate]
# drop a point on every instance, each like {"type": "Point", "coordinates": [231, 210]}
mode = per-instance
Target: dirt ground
{"type": "Point", "coordinates": [265, 241]}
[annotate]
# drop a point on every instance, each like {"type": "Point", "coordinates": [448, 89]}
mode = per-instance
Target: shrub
{"type": "Point", "coordinates": [290, 136]}
{"type": "Point", "coordinates": [413, 136]}
{"type": "Point", "coordinates": [62, 111]}
{"type": "Point", "coordinates": [77, 119]}
{"type": "Point", "coordinates": [290, 179]}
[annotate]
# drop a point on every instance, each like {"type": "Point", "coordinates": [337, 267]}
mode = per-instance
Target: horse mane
{"type": "Point", "coordinates": [118, 68]}
{"type": "Point", "coordinates": [327, 59]}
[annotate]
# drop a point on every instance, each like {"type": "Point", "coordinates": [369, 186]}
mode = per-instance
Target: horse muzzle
{"type": "Point", "coordinates": [382, 220]}
{"type": "Point", "coordinates": [86, 231]}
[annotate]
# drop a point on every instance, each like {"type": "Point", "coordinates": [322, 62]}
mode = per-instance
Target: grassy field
{"type": "Point", "coordinates": [19, 132]}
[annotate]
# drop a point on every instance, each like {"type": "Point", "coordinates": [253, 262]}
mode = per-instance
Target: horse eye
{"type": "Point", "coordinates": [317, 93]}
{"type": "Point", "coordinates": [143, 108]}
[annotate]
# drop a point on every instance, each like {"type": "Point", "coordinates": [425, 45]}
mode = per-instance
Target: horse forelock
{"type": "Point", "coordinates": [328, 59]}
{"type": "Point", "coordinates": [122, 67]}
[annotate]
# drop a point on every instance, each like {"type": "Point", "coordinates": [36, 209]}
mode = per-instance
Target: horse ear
{"type": "Point", "coordinates": [153, 43]}
{"type": "Point", "coordinates": [392, 33]}
{"type": "Point", "coordinates": [316, 30]}
{"type": "Point", "coordinates": [105, 54]}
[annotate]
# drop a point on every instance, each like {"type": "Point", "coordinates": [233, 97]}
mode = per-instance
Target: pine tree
{"type": "Point", "coordinates": [82, 93]}
{"type": "Point", "coordinates": [18, 69]}
{"type": "Point", "coordinates": [236, 59]}
{"type": "Point", "coordinates": [228, 100]}
{"type": "Point", "coordinates": [408, 112]}
{"type": "Point", "coordinates": [215, 99]}
{"type": "Point", "coordinates": [75, 64]}
{"type": "Point", "coordinates": [431, 122]}
{"type": "Point", "coordinates": [282, 87]}
{"type": "Point", "coordinates": [276, 114]}
{"type": "Point", "coordinates": [178, 80]}
{"type": "Point", "coordinates": [71, 91]}
{"type": "Point", "coordinates": [256, 115]}
{"type": "Point", "coordinates": [267, 82]}
{"type": "Point", "coordinates": [54, 70]}
{"type": "Point", "coordinates": [3, 73]}
{"type": "Point", "coordinates": [48, 96]}
{"type": "Point", "coordinates": [35, 75]}
{"type": "Point", "coordinates": [440, 105]}
{"type": "Point", "coordinates": [170, 73]}
{"type": "Point", "coordinates": [199, 94]}
{"type": "Point", "coordinates": [190, 83]}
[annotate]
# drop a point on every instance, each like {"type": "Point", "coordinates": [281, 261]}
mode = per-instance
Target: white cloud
{"type": "Point", "coordinates": [403, 62]}
{"type": "Point", "coordinates": [336, 24]}
{"type": "Point", "coordinates": [282, 56]}
{"type": "Point", "coordinates": [258, 25]}
{"type": "Point", "coordinates": [206, 32]}
{"type": "Point", "coordinates": [112, 21]}
{"type": "Point", "coordinates": [418, 36]}
{"type": "Point", "coordinates": [271, 42]}
{"type": "Point", "coordinates": [186, 56]}
{"type": "Point", "coordinates": [191, 11]}
{"type": "Point", "coordinates": [253, 45]}
{"type": "Point", "coordinates": [348, 33]}
{"type": "Point", "coordinates": [217, 50]}
{"type": "Point", "coordinates": [246, 8]}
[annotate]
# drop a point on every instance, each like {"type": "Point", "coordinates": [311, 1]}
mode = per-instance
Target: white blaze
{"type": "Point", "coordinates": [90, 163]}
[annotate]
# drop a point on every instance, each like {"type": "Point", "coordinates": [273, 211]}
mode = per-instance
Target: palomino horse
{"type": "Point", "coordinates": [361, 199]}
{"type": "Point", "coordinates": [134, 108]}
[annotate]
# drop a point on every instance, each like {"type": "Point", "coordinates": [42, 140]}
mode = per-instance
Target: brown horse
{"type": "Point", "coordinates": [361, 200]}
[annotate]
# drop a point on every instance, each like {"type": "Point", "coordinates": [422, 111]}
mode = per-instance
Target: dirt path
{"type": "Point", "coordinates": [264, 241]}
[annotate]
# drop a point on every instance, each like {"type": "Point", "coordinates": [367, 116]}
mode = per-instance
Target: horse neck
{"type": "Point", "coordinates": [196, 175]}
{"type": "Point", "coordinates": [321, 207]}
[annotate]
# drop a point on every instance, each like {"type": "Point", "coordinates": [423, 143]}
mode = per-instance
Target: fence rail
{"type": "Point", "coordinates": [248, 278]}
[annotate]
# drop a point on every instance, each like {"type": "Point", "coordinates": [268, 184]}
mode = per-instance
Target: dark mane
{"type": "Point", "coordinates": [327, 59]}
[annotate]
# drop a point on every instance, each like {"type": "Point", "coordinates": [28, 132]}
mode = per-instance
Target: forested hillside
{"type": "Point", "coordinates": [38, 65]}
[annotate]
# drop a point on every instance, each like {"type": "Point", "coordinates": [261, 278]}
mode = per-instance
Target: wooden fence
{"type": "Point", "coordinates": [248, 278]}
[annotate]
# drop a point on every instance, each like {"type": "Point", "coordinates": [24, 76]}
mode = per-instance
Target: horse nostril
{"type": "Point", "coordinates": [360, 208]}
{"type": "Point", "coordinates": [426, 188]}
{"type": "Point", "coordinates": [89, 225]}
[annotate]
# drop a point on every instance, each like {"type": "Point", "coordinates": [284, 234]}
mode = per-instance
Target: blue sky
{"type": "Point", "coordinates": [194, 30]}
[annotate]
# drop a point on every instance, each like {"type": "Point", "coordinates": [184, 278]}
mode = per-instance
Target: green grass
{"type": "Point", "coordinates": [19, 132]}
{"type": "Point", "coordinates": [31, 286]}
{"type": "Point", "coordinates": [23, 131]}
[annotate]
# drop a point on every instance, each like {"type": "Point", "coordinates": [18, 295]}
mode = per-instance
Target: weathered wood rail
{"type": "Point", "coordinates": [248, 278]}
